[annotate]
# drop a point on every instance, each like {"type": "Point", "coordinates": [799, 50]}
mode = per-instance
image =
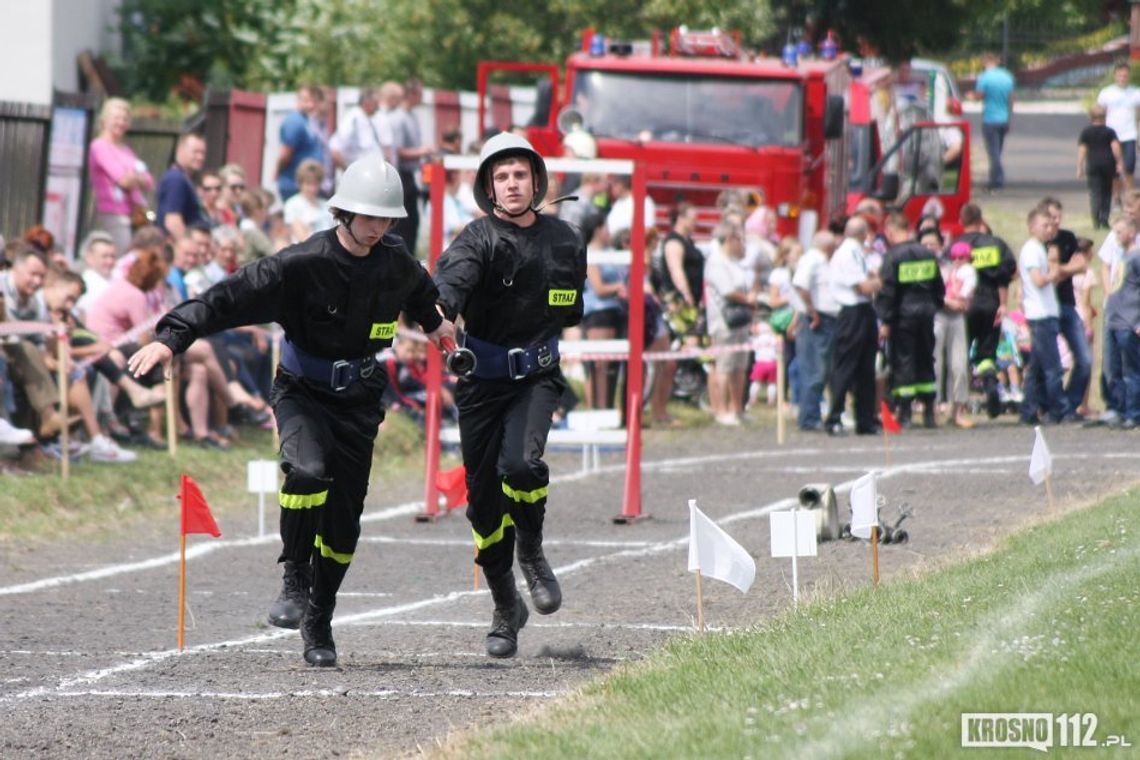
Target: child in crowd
{"type": "Point", "coordinates": [765, 346]}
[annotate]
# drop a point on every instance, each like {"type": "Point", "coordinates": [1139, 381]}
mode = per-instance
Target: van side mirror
{"type": "Point", "coordinates": [833, 118]}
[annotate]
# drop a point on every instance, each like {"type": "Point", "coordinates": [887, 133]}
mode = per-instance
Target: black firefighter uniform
{"type": "Point", "coordinates": [516, 289]}
{"type": "Point", "coordinates": [337, 311]}
{"type": "Point", "coordinates": [911, 295]}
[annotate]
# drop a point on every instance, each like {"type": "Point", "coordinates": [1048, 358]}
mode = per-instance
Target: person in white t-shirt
{"type": "Point", "coordinates": [1120, 100]}
{"type": "Point", "coordinates": [306, 212]}
{"type": "Point", "coordinates": [814, 336]}
{"type": "Point", "coordinates": [364, 129]}
{"type": "Point", "coordinates": [1039, 272]}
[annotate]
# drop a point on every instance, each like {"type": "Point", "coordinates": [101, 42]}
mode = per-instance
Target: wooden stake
{"type": "Point", "coordinates": [171, 426]}
{"type": "Point", "coordinates": [700, 605]}
{"type": "Point", "coordinates": [780, 380]}
{"type": "Point", "coordinates": [182, 592]}
{"type": "Point", "coordinates": [875, 554]}
{"type": "Point", "coordinates": [61, 353]}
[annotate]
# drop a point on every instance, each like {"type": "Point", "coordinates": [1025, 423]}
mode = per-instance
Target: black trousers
{"type": "Point", "coordinates": [503, 427]}
{"type": "Point", "coordinates": [984, 334]}
{"type": "Point", "coordinates": [409, 227]}
{"type": "Point", "coordinates": [912, 357]}
{"type": "Point", "coordinates": [326, 455]}
{"type": "Point", "coordinates": [1100, 196]}
{"type": "Point", "coordinates": [853, 365]}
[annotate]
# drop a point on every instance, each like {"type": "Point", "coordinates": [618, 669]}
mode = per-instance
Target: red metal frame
{"type": "Point", "coordinates": [433, 401]}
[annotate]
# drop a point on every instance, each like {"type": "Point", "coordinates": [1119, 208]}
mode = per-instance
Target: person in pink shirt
{"type": "Point", "coordinates": [118, 178]}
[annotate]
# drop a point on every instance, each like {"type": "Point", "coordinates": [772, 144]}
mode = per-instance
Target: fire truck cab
{"type": "Point", "coordinates": [814, 134]}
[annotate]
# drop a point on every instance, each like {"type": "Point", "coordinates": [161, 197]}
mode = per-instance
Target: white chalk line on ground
{"type": "Point", "coordinates": [532, 623]}
{"type": "Point", "coordinates": [311, 693]}
{"type": "Point", "coordinates": [367, 617]}
{"type": "Point", "coordinates": [894, 708]}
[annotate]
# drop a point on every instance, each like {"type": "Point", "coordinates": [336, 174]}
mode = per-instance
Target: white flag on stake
{"type": "Point", "coordinates": [864, 506]}
{"type": "Point", "coordinates": [715, 554]}
{"type": "Point", "coordinates": [1040, 461]}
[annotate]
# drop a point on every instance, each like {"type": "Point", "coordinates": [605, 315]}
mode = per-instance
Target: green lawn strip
{"type": "Point", "coordinates": [100, 500]}
{"type": "Point", "coordinates": [1045, 623]}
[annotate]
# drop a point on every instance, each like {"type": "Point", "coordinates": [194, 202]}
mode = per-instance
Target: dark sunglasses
{"type": "Point", "coordinates": [211, 188]}
{"type": "Point", "coordinates": [237, 187]}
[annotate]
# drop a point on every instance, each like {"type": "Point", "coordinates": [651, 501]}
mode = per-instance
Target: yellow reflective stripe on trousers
{"type": "Point", "coordinates": [302, 500]}
{"type": "Point", "coordinates": [530, 497]}
{"type": "Point", "coordinates": [482, 543]}
{"type": "Point", "coordinates": [327, 552]}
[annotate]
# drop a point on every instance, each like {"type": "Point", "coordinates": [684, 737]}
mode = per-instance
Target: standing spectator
{"type": "Point", "coordinates": [812, 281]}
{"type": "Point", "coordinates": [306, 212]}
{"type": "Point", "coordinates": [1083, 285]}
{"type": "Point", "coordinates": [1072, 262]}
{"type": "Point", "coordinates": [364, 129]}
{"type": "Point", "coordinates": [1100, 158]}
{"type": "Point", "coordinates": [761, 223]}
{"type": "Point", "coordinates": [911, 294]}
{"type": "Point", "coordinates": [300, 139]}
{"type": "Point", "coordinates": [684, 263]}
{"type": "Point", "coordinates": [852, 286]}
{"type": "Point", "coordinates": [951, 351]}
{"type": "Point", "coordinates": [603, 308]}
{"type": "Point", "coordinates": [621, 209]}
{"type": "Point", "coordinates": [731, 307]}
{"type": "Point", "coordinates": [995, 266]}
{"type": "Point", "coordinates": [787, 306]}
{"type": "Point", "coordinates": [178, 206]}
{"type": "Point", "coordinates": [1122, 319]}
{"type": "Point", "coordinates": [1120, 101]}
{"type": "Point", "coordinates": [995, 89]}
{"type": "Point", "coordinates": [410, 150]}
{"type": "Point", "coordinates": [1039, 271]}
{"type": "Point", "coordinates": [99, 254]}
{"type": "Point", "coordinates": [118, 178]}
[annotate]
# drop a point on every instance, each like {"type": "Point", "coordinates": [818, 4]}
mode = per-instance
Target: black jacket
{"type": "Point", "coordinates": [330, 303]}
{"type": "Point", "coordinates": [912, 284]}
{"type": "Point", "coordinates": [995, 264]}
{"type": "Point", "coordinates": [515, 286]}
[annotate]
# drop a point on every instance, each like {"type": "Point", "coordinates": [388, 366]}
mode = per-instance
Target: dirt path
{"type": "Point", "coordinates": [88, 666]}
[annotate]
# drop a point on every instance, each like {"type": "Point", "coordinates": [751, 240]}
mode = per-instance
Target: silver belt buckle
{"type": "Point", "coordinates": [512, 363]}
{"type": "Point", "coordinates": [340, 375]}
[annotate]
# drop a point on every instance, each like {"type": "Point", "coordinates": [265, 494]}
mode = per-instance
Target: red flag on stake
{"type": "Point", "coordinates": [890, 424]}
{"type": "Point", "coordinates": [453, 484]}
{"type": "Point", "coordinates": [196, 518]}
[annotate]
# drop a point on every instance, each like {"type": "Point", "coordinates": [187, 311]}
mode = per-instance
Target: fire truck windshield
{"type": "Point", "coordinates": [690, 108]}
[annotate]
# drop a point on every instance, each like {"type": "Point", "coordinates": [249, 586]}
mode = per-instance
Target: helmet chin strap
{"type": "Point", "coordinates": [346, 221]}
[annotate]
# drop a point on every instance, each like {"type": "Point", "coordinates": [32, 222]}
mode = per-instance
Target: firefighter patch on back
{"type": "Point", "coordinates": [918, 271]}
{"type": "Point", "coordinates": [562, 297]}
{"type": "Point", "coordinates": [383, 331]}
{"type": "Point", "coordinates": [986, 256]}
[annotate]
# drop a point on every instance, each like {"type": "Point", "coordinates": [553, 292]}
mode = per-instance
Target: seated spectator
{"type": "Point", "coordinates": [99, 253]}
{"type": "Point", "coordinates": [253, 226]}
{"type": "Point", "coordinates": [306, 212]}
{"type": "Point", "coordinates": [232, 177]}
{"type": "Point", "coordinates": [209, 190]}
{"type": "Point", "coordinates": [20, 286]}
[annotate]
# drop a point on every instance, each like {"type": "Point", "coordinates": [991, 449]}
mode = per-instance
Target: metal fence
{"type": "Point", "coordinates": [25, 130]}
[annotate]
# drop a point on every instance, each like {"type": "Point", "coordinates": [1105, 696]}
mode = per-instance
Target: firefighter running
{"type": "Point", "coordinates": [912, 294]}
{"type": "Point", "coordinates": [338, 296]}
{"type": "Point", "coordinates": [516, 277]}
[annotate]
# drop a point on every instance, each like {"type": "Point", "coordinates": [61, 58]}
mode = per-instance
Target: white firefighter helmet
{"type": "Point", "coordinates": [501, 146]}
{"type": "Point", "coordinates": [370, 186]}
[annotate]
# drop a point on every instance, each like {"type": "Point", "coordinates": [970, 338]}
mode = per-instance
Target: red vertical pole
{"type": "Point", "coordinates": [434, 364]}
{"type": "Point", "coordinates": [631, 505]}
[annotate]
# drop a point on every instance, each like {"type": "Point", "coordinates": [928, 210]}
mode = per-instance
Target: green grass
{"type": "Point", "coordinates": [100, 500]}
{"type": "Point", "coordinates": [1045, 623]}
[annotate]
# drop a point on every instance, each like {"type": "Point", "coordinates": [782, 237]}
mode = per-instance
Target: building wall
{"type": "Point", "coordinates": [79, 25]}
{"type": "Point", "coordinates": [25, 56]}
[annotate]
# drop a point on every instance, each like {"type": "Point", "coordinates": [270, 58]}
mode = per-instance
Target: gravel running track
{"type": "Point", "coordinates": [89, 666]}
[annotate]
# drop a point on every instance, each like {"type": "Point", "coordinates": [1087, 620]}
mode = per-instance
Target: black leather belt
{"type": "Point", "coordinates": [497, 363]}
{"type": "Point", "coordinates": [338, 374]}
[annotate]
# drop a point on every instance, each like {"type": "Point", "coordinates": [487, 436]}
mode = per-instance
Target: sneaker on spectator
{"type": "Point", "coordinates": [11, 435]}
{"type": "Point", "coordinates": [54, 450]}
{"type": "Point", "coordinates": [103, 449]}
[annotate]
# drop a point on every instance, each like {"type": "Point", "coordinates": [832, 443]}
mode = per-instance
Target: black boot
{"type": "Point", "coordinates": [316, 632]}
{"type": "Point", "coordinates": [286, 612]}
{"type": "Point", "coordinates": [509, 618]}
{"type": "Point", "coordinates": [929, 412]}
{"type": "Point", "coordinates": [903, 415]}
{"type": "Point", "coordinates": [544, 589]}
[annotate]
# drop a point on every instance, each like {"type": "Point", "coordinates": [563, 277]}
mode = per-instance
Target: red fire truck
{"type": "Point", "coordinates": [703, 116]}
